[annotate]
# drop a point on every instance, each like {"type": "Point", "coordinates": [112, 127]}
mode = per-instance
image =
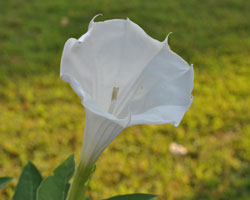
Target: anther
{"type": "Point", "coordinates": [113, 99]}
{"type": "Point", "coordinates": [115, 93]}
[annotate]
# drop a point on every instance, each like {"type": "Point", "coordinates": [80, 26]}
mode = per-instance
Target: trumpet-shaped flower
{"type": "Point", "coordinates": [124, 77]}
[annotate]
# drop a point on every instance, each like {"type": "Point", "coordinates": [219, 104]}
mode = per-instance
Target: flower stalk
{"type": "Point", "coordinates": [80, 182]}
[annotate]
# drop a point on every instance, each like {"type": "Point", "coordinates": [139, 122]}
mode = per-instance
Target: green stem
{"type": "Point", "coordinates": [80, 182]}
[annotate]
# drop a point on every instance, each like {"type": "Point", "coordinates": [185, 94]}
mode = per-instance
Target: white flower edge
{"type": "Point", "coordinates": [87, 102]}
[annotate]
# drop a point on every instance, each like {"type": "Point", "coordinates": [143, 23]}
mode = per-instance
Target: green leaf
{"type": "Point", "coordinates": [4, 181]}
{"type": "Point", "coordinates": [134, 197]}
{"type": "Point", "coordinates": [56, 187]}
{"type": "Point", "coordinates": [28, 183]}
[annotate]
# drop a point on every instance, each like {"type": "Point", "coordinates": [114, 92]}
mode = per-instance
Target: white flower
{"type": "Point", "coordinates": [124, 77]}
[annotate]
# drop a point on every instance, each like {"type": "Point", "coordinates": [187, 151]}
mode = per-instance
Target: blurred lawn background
{"type": "Point", "coordinates": [42, 120]}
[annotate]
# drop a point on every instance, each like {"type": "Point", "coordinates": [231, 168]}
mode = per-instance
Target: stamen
{"type": "Point", "coordinates": [115, 93]}
{"type": "Point", "coordinates": [113, 99]}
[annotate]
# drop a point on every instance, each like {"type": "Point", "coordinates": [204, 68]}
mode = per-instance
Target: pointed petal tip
{"type": "Point", "coordinates": [128, 21]}
{"type": "Point", "coordinates": [93, 20]}
{"type": "Point", "coordinates": [166, 38]}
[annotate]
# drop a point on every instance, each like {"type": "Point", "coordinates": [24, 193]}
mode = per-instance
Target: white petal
{"type": "Point", "coordinates": [111, 54]}
{"type": "Point", "coordinates": [163, 93]}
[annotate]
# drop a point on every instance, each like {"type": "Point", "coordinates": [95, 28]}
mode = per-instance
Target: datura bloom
{"type": "Point", "coordinates": [124, 77]}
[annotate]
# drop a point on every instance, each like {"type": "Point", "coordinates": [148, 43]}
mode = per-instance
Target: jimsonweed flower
{"type": "Point", "coordinates": [123, 77]}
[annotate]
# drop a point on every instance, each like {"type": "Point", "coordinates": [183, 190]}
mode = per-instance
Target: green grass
{"type": "Point", "coordinates": [42, 119]}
